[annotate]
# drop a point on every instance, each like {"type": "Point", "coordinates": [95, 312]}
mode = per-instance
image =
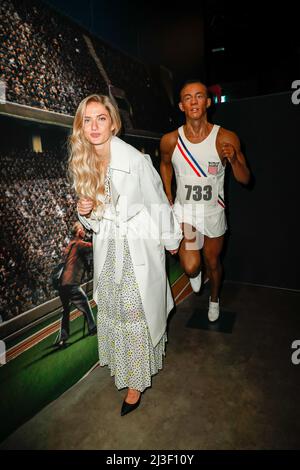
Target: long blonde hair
{"type": "Point", "coordinates": [86, 169]}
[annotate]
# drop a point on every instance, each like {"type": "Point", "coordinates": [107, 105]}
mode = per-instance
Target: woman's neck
{"type": "Point", "coordinates": [103, 150]}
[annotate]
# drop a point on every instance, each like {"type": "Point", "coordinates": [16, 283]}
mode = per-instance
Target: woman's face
{"type": "Point", "coordinates": [97, 123]}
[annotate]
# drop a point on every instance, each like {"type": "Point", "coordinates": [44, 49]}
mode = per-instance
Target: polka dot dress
{"type": "Point", "coordinates": [123, 337]}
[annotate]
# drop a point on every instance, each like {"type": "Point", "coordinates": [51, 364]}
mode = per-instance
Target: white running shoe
{"type": "Point", "coordinates": [196, 282]}
{"type": "Point", "coordinates": [213, 311]}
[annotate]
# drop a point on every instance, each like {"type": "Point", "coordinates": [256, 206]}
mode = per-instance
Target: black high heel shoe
{"type": "Point", "coordinates": [128, 407]}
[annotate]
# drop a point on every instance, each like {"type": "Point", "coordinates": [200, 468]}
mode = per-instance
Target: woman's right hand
{"type": "Point", "coordinates": [85, 206]}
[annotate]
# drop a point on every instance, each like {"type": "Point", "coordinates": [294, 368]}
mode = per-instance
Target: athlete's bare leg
{"type": "Point", "coordinates": [211, 250]}
{"type": "Point", "coordinates": [189, 253]}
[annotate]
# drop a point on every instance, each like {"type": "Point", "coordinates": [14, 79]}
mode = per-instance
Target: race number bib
{"type": "Point", "coordinates": [197, 190]}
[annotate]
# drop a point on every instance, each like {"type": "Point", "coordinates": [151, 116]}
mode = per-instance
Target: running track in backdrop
{"type": "Point", "coordinates": [36, 373]}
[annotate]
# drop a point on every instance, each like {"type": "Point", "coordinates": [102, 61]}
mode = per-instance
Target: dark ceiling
{"type": "Point", "coordinates": [260, 41]}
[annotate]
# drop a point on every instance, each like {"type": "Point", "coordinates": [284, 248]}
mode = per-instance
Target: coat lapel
{"type": "Point", "coordinates": [119, 155]}
{"type": "Point", "coordinates": [119, 161]}
{"type": "Point", "coordinates": [125, 188]}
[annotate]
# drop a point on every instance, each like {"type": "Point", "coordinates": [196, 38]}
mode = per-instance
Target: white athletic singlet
{"type": "Point", "coordinates": [200, 184]}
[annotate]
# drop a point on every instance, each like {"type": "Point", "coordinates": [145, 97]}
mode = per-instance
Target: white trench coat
{"type": "Point", "coordinates": [141, 212]}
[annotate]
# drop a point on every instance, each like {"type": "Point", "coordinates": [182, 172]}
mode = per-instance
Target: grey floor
{"type": "Point", "coordinates": [217, 390]}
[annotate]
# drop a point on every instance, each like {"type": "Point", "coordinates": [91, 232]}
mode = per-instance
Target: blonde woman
{"type": "Point", "coordinates": [121, 199]}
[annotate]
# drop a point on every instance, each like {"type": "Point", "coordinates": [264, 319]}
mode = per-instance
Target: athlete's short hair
{"type": "Point", "coordinates": [189, 82]}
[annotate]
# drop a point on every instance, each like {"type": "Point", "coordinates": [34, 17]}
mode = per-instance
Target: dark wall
{"type": "Point", "coordinates": [17, 134]}
{"type": "Point", "coordinates": [263, 240]}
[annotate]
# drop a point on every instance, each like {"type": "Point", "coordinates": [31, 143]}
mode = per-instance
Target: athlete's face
{"type": "Point", "coordinates": [194, 100]}
{"type": "Point", "coordinates": [97, 123]}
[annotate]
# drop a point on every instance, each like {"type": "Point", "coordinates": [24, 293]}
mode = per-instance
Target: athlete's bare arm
{"type": "Point", "coordinates": [229, 149]}
{"type": "Point", "coordinates": [167, 145]}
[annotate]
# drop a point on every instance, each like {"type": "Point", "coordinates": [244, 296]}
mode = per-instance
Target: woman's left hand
{"type": "Point", "coordinates": [85, 206]}
{"type": "Point", "coordinates": [173, 252]}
